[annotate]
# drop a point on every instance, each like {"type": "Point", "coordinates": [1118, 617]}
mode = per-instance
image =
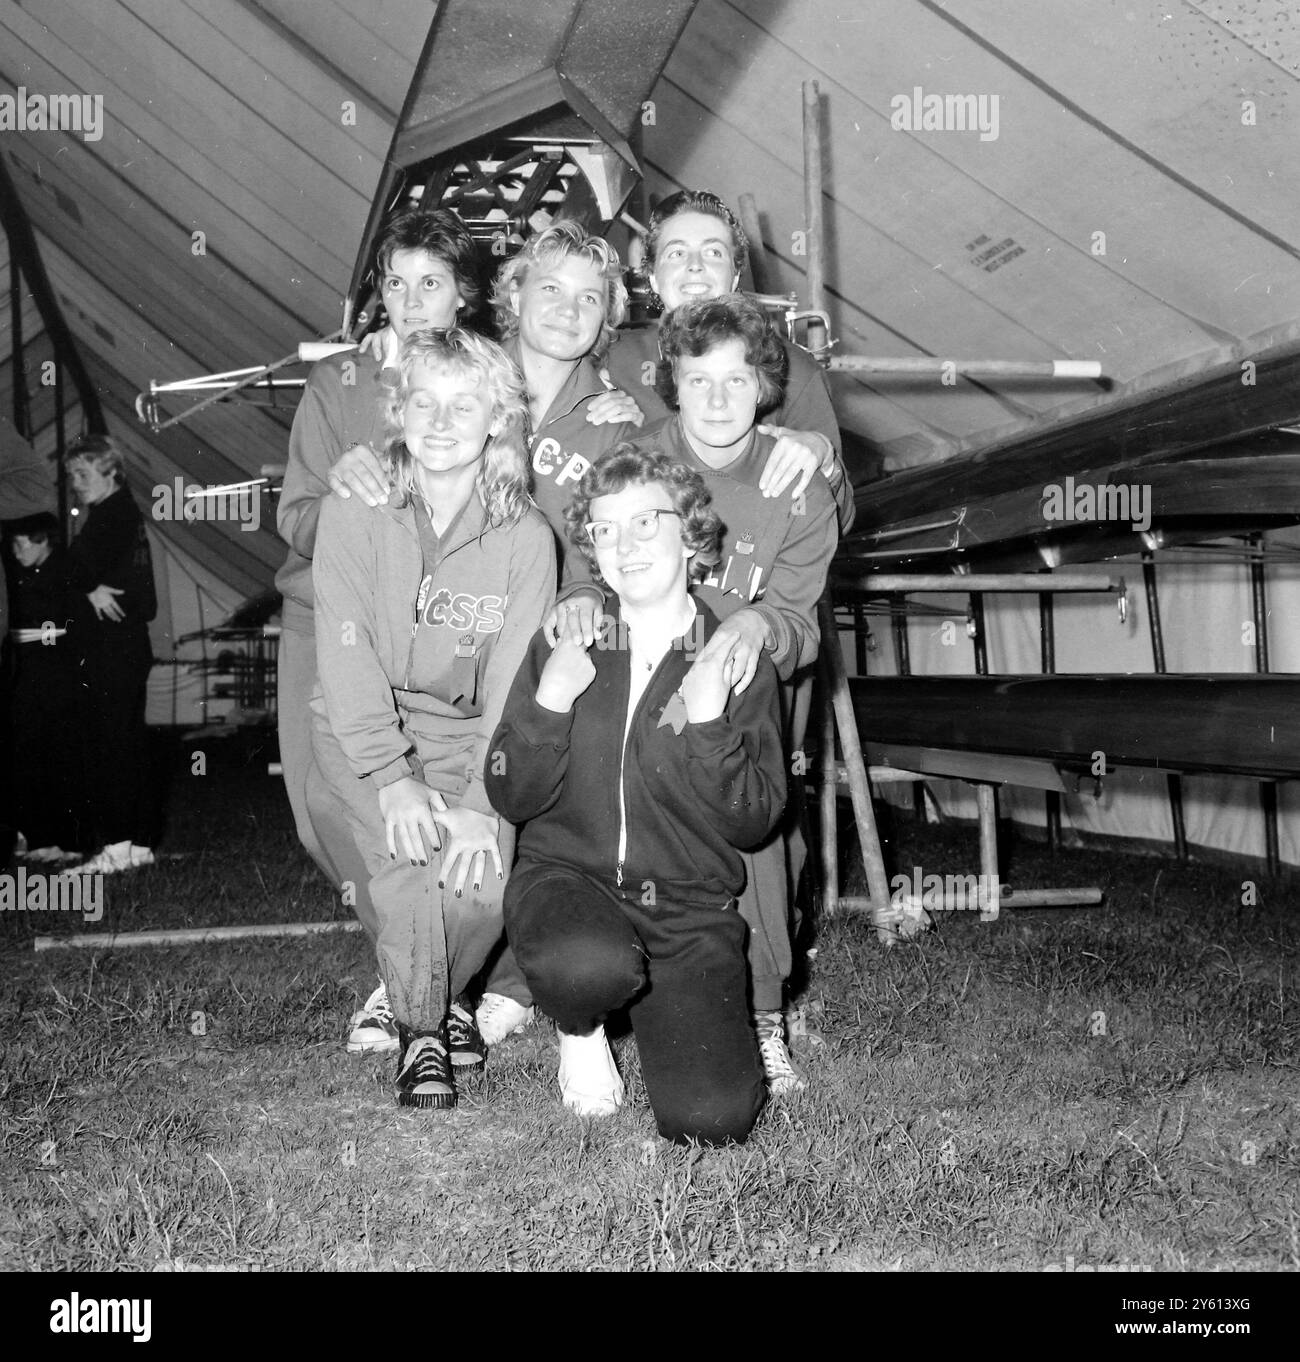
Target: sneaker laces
{"type": "Point", "coordinates": [461, 1031]}
{"type": "Point", "coordinates": [425, 1061]}
{"type": "Point", "coordinates": [377, 1007]}
{"type": "Point", "coordinates": [490, 1009]}
{"type": "Point", "coordinates": [771, 1045]}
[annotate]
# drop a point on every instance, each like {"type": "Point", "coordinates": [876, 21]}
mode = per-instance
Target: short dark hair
{"type": "Point", "coordinates": [625, 466]}
{"type": "Point", "coordinates": [695, 328]}
{"type": "Point", "coordinates": [444, 236]}
{"type": "Point", "coordinates": [696, 201]}
{"type": "Point", "coordinates": [41, 527]}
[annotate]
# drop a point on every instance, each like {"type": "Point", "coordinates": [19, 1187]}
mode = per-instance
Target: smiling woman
{"type": "Point", "coordinates": [638, 772]}
{"type": "Point", "coordinates": [424, 607]}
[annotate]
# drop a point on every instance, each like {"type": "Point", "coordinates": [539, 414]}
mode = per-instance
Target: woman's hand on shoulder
{"type": "Point", "coordinates": [611, 408]}
{"type": "Point", "coordinates": [360, 470]}
{"type": "Point", "coordinates": [738, 643]}
{"type": "Point", "coordinates": [577, 617]}
{"type": "Point", "coordinates": [795, 457]}
{"type": "Point", "coordinates": [568, 672]}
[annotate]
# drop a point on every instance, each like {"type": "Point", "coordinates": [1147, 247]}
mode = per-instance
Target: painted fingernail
{"type": "Point", "coordinates": [414, 861]}
{"type": "Point", "coordinates": [441, 885]}
{"type": "Point", "coordinates": [458, 894]}
{"type": "Point", "coordinates": [392, 855]}
{"type": "Point", "coordinates": [424, 862]}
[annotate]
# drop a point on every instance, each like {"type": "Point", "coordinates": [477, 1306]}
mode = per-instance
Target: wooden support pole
{"type": "Point", "coordinates": [891, 583]}
{"type": "Point", "coordinates": [987, 795]}
{"type": "Point", "coordinates": [1174, 782]}
{"type": "Point", "coordinates": [813, 224]}
{"type": "Point", "coordinates": [1259, 611]}
{"type": "Point", "coordinates": [829, 803]}
{"type": "Point", "coordinates": [753, 230]}
{"type": "Point", "coordinates": [1009, 898]}
{"type": "Point", "coordinates": [926, 366]}
{"type": "Point", "coordinates": [191, 936]}
{"type": "Point", "coordinates": [1047, 640]}
{"type": "Point", "coordinates": [859, 788]}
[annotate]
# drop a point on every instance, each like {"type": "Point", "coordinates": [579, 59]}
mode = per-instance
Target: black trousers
{"type": "Point", "coordinates": [114, 676]}
{"type": "Point", "coordinates": [679, 970]}
{"type": "Point", "coordinates": [49, 799]}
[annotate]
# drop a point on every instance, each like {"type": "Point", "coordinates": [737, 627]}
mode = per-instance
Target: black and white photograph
{"type": "Point", "coordinates": [650, 636]}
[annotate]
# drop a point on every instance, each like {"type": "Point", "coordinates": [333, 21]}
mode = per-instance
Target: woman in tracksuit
{"type": "Point", "coordinates": [637, 774]}
{"type": "Point", "coordinates": [424, 608]}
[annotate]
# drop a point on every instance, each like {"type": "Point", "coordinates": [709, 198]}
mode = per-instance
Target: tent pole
{"type": "Point", "coordinates": [1047, 634]}
{"type": "Point", "coordinates": [1158, 658]}
{"type": "Point", "coordinates": [1259, 609]}
{"type": "Point", "coordinates": [754, 231]}
{"type": "Point", "coordinates": [812, 198]}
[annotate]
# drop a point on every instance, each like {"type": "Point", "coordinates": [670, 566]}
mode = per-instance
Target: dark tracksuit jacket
{"type": "Point", "coordinates": [633, 363]}
{"type": "Point", "coordinates": [776, 554]}
{"type": "Point", "coordinates": [111, 549]}
{"type": "Point", "coordinates": [415, 659]}
{"type": "Point", "coordinates": [628, 863]}
{"type": "Point", "coordinates": [686, 795]}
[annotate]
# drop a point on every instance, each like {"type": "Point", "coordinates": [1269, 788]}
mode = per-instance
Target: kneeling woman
{"type": "Point", "coordinates": [638, 774]}
{"type": "Point", "coordinates": [424, 610]}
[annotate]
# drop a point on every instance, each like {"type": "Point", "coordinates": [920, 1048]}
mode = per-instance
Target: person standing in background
{"type": "Point", "coordinates": [111, 575]}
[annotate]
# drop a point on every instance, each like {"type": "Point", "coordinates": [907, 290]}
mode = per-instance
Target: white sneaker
{"type": "Point", "coordinates": [778, 1068]}
{"type": "Point", "coordinates": [109, 860]}
{"type": "Point", "coordinates": [141, 856]}
{"type": "Point", "coordinates": [498, 1017]}
{"type": "Point", "coordinates": [589, 1081]}
{"type": "Point", "coordinates": [373, 1029]}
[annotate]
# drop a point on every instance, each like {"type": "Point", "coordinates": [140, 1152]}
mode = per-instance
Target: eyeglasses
{"type": "Point", "coordinates": [644, 525]}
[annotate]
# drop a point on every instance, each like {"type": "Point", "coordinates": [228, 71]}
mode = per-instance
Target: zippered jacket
{"type": "Point", "coordinates": [776, 551]}
{"type": "Point", "coordinates": [343, 404]}
{"type": "Point", "coordinates": [472, 619]}
{"type": "Point", "coordinates": [564, 445]}
{"type": "Point", "coordinates": [680, 797]}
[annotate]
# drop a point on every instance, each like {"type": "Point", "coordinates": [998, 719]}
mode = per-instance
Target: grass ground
{"type": "Point", "coordinates": [1108, 1086]}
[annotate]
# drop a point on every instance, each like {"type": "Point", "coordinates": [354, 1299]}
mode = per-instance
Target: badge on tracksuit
{"type": "Point", "coordinates": [464, 670]}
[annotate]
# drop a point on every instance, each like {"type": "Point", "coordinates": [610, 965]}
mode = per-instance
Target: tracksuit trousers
{"type": "Point", "coordinates": [320, 817]}
{"type": "Point", "coordinates": [680, 971]}
{"type": "Point", "coordinates": [430, 943]}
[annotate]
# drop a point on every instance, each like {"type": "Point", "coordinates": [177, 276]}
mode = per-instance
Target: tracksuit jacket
{"type": "Point", "coordinates": [668, 806]}
{"type": "Point", "coordinates": [776, 550]}
{"type": "Point", "coordinates": [333, 415]}
{"type": "Point", "coordinates": [564, 445]}
{"type": "Point", "coordinates": [633, 365]}
{"type": "Point", "coordinates": [476, 613]}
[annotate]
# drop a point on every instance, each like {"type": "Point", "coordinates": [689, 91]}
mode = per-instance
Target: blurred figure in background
{"type": "Point", "coordinates": [111, 576]}
{"type": "Point", "coordinates": [45, 702]}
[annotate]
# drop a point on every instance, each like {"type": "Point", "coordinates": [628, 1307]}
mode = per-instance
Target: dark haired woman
{"type": "Point", "coordinates": [696, 250]}
{"type": "Point", "coordinates": [638, 773]}
{"type": "Point", "coordinates": [724, 366]}
{"type": "Point", "coordinates": [427, 276]}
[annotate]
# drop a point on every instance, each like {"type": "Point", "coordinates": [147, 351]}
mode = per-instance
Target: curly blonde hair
{"type": "Point", "coordinates": [558, 242]}
{"type": "Point", "coordinates": [503, 479]}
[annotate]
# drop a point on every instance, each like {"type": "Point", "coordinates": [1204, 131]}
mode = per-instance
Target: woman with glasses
{"type": "Point", "coordinates": [638, 774]}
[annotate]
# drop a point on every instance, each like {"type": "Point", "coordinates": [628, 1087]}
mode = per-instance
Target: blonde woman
{"type": "Point", "coordinates": [424, 609]}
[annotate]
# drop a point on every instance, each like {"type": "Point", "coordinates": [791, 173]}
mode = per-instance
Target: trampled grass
{"type": "Point", "coordinates": [1112, 1086]}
